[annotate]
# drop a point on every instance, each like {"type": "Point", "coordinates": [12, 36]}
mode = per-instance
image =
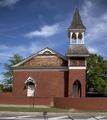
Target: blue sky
{"type": "Point", "coordinates": [27, 26]}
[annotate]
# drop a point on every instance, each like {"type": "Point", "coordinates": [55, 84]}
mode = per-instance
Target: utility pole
{"type": "Point", "coordinates": [34, 96]}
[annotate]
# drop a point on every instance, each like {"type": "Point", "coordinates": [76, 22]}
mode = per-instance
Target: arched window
{"type": "Point", "coordinates": [31, 85]}
{"type": "Point", "coordinates": [47, 52]}
{"type": "Point", "coordinates": [80, 38]}
{"type": "Point", "coordinates": [74, 38]}
{"type": "Point", "coordinates": [76, 89]}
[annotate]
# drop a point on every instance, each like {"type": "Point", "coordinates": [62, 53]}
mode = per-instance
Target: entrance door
{"type": "Point", "coordinates": [76, 90]}
{"type": "Point", "coordinates": [30, 90]}
{"type": "Point", "coordinates": [30, 84]}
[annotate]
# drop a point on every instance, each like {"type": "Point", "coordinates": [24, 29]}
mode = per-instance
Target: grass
{"type": "Point", "coordinates": [26, 109]}
{"type": "Point", "coordinates": [48, 110]}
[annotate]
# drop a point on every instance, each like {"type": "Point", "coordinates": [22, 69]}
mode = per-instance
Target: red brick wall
{"type": "Point", "coordinates": [77, 75]}
{"type": "Point", "coordinates": [9, 98]}
{"type": "Point", "coordinates": [81, 103]}
{"type": "Point", "coordinates": [49, 84]}
{"type": "Point", "coordinates": [64, 103]}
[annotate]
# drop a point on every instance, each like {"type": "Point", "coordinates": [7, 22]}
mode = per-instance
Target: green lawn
{"type": "Point", "coordinates": [26, 109]}
{"type": "Point", "coordinates": [48, 110]}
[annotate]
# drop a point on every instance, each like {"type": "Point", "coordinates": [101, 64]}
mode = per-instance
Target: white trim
{"type": "Point", "coordinates": [78, 67]}
{"type": "Point", "coordinates": [77, 55]}
{"type": "Point", "coordinates": [77, 37]}
{"type": "Point", "coordinates": [30, 79]}
{"type": "Point", "coordinates": [47, 49]}
{"type": "Point", "coordinates": [76, 29]}
{"type": "Point", "coordinates": [53, 56]}
{"type": "Point", "coordinates": [28, 70]}
{"type": "Point", "coordinates": [68, 61]}
{"type": "Point", "coordinates": [71, 38]}
{"type": "Point", "coordinates": [83, 38]}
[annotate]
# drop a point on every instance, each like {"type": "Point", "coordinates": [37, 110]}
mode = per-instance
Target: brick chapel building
{"type": "Point", "coordinates": [49, 78]}
{"type": "Point", "coordinates": [48, 74]}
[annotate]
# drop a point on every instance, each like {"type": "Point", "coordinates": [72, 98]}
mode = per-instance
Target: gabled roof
{"type": "Point", "coordinates": [76, 22]}
{"type": "Point", "coordinates": [77, 50]}
{"type": "Point", "coordinates": [40, 53]}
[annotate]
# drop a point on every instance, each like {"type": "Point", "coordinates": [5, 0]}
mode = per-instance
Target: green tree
{"type": "Point", "coordinates": [1, 87]}
{"type": "Point", "coordinates": [96, 73]}
{"type": "Point", "coordinates": [8, 75]}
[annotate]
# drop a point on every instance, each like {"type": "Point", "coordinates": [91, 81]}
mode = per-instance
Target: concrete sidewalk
{"type": "Point", "coordinates": [70, 112]}
{"type": "Point", "coordinates": [29, 106]}
{"type": "Point", "coordinates": [7, 113]}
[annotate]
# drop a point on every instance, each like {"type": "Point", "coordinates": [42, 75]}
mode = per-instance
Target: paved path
{"type": "Point", "coordinates": [54, 118]}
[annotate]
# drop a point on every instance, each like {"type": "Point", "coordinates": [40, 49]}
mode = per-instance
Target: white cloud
{"type": "Point", "coordinates": [8, 3]}
{"type": "Point", "coordinates": [8, 51]}
{"type": "Point", "coordinates": [104, 17]}
{"type": "Point", "coordinates": [96, 28]}
{"type": "Point", "coordinates": [86, 7]}
{"type": "Point", "coordinates": [92, 50]}
{"type": "Point", "coordinates": [97, 31]}
{"type": "Point", "coordinates": [45, 31]}
{"type": "Point", "coordinates": [3, 47]}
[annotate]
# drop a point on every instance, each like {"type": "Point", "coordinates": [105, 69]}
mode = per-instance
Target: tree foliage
{"type": "Point", "coordinates": [1, 87]}
{"type": "Point", "coordinates": [8, 75]}
{"type": "Point", "coordinates": [96, 73]}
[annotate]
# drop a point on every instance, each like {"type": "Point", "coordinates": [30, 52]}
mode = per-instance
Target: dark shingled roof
{"type": "Point", "coordinates": [77, 22]}
{"type": "Point", "coordinates": [77, 50]}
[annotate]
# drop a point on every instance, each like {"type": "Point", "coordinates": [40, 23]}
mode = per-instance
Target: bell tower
{"type": "Point", "coordinates": [76, 54]}
{"type": "Point", "coordinates": [76, 29]}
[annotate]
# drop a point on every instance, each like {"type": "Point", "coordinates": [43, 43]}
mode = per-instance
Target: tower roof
{"type": "Point", "coordinates": [76, 22]}
{"type": "Point", "coordinates": [77, 50]}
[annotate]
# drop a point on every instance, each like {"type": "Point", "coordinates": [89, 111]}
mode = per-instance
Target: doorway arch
{"type": "Point", "coordinates": [76, 89]}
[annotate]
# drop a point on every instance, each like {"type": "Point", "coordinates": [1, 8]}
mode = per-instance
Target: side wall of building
{"type": "Point", "coordinates": [49, 84]}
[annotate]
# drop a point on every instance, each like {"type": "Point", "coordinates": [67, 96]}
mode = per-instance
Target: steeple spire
{"type": "Point", "coordinates": [76, 36]}
{"type": "Point", "coordinates": [77, 22]}
{"type": "Point", "coordinates": [76, 29]}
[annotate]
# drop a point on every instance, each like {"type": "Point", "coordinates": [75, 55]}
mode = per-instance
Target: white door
{"type": "Point", "coordinates": [30, 90]}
